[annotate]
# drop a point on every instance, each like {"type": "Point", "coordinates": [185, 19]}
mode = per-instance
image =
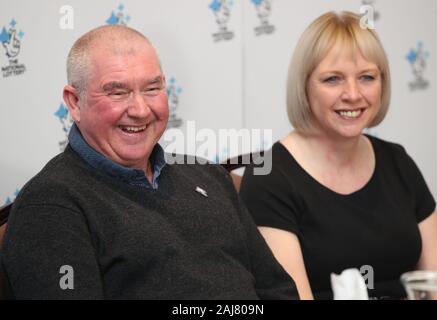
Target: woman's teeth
{"type": "Point", "coordinates": [350, 114]}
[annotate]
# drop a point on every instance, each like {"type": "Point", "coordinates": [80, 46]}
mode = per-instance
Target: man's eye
{"type": "Point", "coordinates": [118, 94]}
{"type": "Point", "coordinates": [152, 91]}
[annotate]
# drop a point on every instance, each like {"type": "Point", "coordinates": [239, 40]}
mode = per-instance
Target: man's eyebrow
{"type": "Point", "coordinates": [120, 85]}
{"type": "Point", "coordinates": [158, 79]}
{"type": "Point", "coordinates": [113, 85]}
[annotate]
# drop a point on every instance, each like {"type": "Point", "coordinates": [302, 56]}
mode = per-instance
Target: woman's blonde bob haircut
{"type": "Point", "coordinates": [315, 43]}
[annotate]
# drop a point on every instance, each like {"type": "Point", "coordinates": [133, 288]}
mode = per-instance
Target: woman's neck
{"type": "Point", "coordinates": [333, 154]}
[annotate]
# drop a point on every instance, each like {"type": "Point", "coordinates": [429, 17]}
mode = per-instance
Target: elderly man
{"type": "Point", "coordinates": [108, 218]}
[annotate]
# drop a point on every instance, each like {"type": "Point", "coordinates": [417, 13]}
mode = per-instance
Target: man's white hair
{"type": "Point", "coordinates": [117, 39]}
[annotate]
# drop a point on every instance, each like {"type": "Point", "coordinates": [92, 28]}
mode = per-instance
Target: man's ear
{"type": "Point", "coordinates": [164, 84]}
{"type": "Point", "coordinates": [71, 98]}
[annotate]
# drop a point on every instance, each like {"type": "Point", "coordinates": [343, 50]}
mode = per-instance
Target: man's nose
{"type": "Point", "coordinates": [138, 106]}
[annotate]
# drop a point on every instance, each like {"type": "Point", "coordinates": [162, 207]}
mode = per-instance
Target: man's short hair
{"type": "Point", "coordinates": [79, 57]}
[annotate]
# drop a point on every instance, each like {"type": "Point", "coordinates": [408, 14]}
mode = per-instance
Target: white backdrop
{"type": "Point", "coordinates": [236, 82]}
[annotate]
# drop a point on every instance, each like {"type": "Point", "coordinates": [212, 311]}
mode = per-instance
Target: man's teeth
{"type": "Point", "coordinates": [350, 114]}
{"type": "Point", "coordinates": [133, 129]}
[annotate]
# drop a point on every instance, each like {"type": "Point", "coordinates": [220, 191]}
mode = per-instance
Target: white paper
{"type": "Point", "coordinates": [349, 285]}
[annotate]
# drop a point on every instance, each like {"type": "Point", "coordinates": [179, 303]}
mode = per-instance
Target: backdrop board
{"type": "Point", "coordinates": [225, 62]}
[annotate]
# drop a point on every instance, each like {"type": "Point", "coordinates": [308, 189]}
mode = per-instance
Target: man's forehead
{"type": "Point", "coordinates": [104, 58]}
{"type": "Point", "coordinates": [119, 84]}
{"type": "Point", "coordinates": [122, 48]}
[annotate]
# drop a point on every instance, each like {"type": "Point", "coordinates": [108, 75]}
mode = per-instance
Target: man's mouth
{"type": "Point", "coordinates": [132, 129]}
{"type": "Point", "coordinates": [350, 114]}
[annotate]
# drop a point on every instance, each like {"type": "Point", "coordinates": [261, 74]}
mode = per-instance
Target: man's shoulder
{"type": "Point", "coordinates": [64, 165]}
{"type": "Point", "coordinates": [55, 178]}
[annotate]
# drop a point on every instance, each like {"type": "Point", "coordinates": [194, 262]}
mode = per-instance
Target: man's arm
{"type": "Point", "coordinates": [48, 254]}
{"type": "Point", "coordinates": [272, 281]}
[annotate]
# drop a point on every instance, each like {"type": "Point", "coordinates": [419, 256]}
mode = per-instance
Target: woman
{"type": "Point", "coordinates": [337, 198]}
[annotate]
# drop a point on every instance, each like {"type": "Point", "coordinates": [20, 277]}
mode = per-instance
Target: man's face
{"type": "Point", "coordinates": [124, 110]}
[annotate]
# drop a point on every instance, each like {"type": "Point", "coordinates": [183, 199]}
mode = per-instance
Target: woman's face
{"type": "Point", "coordinates": [344, 93]}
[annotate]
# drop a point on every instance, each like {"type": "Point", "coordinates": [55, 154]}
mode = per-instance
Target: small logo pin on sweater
{"type": "Point", "coordinates": [201, 191]}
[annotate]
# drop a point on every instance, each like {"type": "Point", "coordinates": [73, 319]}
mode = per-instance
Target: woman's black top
{"type": "Point", "coordinates": [374, 229]}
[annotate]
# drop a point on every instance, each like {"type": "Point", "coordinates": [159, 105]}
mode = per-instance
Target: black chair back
{"type": "Point", "coordinates": [237, 162]}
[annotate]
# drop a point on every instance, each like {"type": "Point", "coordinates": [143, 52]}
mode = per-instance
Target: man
{"type": "Point", "coordinates": [108, 218]}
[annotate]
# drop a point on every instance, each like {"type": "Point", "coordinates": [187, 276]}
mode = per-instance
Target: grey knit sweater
{"type": "Point", "coordinates": [127, 242]}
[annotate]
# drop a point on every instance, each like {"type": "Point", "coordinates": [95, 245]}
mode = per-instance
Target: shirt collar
{"type": "Point", "coordinates": [135, 177]}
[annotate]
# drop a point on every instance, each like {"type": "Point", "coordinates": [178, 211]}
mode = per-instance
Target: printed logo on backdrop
{"type": "Point", "coordinates": [264, 10]}
{"type": "Point", "coordinates": [11, 38]}
{"type": "Point", "coordinates": [222, 13]}
{"type": "Point", "coordinates": [119, 17]}
{"type": "Point", "coordinates": [417, 59]}
{"type": "Point", "coordinates": [173, 92]}
{"type": "Point", "coordinates": [11, 198]}
{"type": "Point", "coordinates": [370, 3]}
{"type": "Point", "coordinates": [66, 121]}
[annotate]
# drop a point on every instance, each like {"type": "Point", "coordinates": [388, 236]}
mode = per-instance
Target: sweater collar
{"type": "Point", "coordinates": [135, 177]}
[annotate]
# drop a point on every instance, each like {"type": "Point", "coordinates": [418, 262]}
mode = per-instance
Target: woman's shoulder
{"type": "Point", "coordinates": [384, 148]}
{"type": "Point", "coordinates": [274, 159]}
{"type": "Point", "coordinates": [393, 154]}
{"type": "Point", "coordinates": [273, 172]}
{"type": "Point", "coordinates": [385, 144]}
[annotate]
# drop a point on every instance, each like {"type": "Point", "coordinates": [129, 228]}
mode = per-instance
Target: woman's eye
{"type": "Point", "coordinates": [368, 78]}
{"type": "Point", "coordinates": [333, 79]}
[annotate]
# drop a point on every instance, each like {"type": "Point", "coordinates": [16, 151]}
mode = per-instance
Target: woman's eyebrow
{"type": "Point", "coordinates": [370, 70]}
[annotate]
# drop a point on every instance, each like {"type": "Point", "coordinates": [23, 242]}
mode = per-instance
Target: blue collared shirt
{"type": "Point", "coordinates": [135, 177]}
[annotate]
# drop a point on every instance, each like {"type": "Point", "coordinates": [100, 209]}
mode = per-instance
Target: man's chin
{"type": "Point", "coordinates": [136, 160]}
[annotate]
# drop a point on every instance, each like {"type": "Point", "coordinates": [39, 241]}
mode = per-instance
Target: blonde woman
{"type": "Point", "coordinates": [337, 198]}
